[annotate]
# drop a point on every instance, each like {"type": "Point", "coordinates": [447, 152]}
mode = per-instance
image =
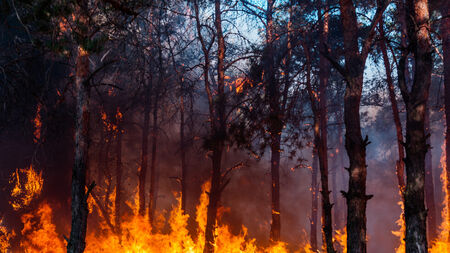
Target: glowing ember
{"type": "Point", "coordinates": [37, 124]}
{"type": "Point", "coordinates": [27, 185]}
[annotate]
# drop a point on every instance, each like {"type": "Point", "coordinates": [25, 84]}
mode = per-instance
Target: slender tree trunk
{"type": "Point", "coordinates": [275, 186]}
{"type": "Point", "coordinates": [274, 125]}
{"type": "Point", "coordinates": [118, 199]}
{"type": "Point", "coordinates": [322, 134]}
{"type": "Point", "coordinates": [183, 156]}
{"type": "Point", "coordinates": [79, 209]}
{"type": "Point", "coordinates": [445, 34]}
{"type": "Point", "coordinates": [429, 185]}
{"type": "Point", "coordinates": [339, 214]}
{"type": "Point", "coordinates": [314, 200]}
{"type": "Point", "coordinates": [400, 165]}
{"type": "Point", "coordinates": [153, 172]}
{"type": "Point", "coordinates": [416, 103]}
{"type": "Point", "coordinates": [218, 126]}
{"type": "Point", "coordinates": [144, 154]}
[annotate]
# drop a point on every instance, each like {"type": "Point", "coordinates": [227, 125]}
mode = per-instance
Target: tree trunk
{"type": "Point", "coordinates": [314, 200]}
{"type": "Point", "coordinates": [400, 165]}
{"type": "Point", "coordinates": [322, 144]}
{"type": "Point", "coordinates": [214, 198]}
{"type": "Point", "coordinates": [79, 206]}
{"type": "Point", "coordinates": [339, 211]}
{"type": "Point", "coordinates": [275, 186]}
{"type": "Point", "coordinates": [218, 127]}
{"type": "Point", "coordinates": [144, 154]}
{"type": "Point", "coordinates": [445, 34]}
{"type": "Point", "coordinates": [274, 126]}
{"type": "Point", "coordinates": [353, 72]}
{"type": "Point", "coordinates": [429, 185]}
{"type": "Point", "coordinates": [118, 199]}
{"type": "Point", "coordinates": [183, 156]}
{"type": "Point", "coordinates": [416, 147]}
{"type": "Point", "coordinates": [153, 172]}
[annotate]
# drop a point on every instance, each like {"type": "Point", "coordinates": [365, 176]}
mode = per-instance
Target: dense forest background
{"type": "Point", "coordinates": [129, 107]}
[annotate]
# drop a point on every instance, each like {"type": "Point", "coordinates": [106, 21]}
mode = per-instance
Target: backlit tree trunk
{"type": "Point", "coordinates": [416, 103]}
{"type": "Point", "coordinates": [314, 201]}
{"type": "Point", "coordinates": [79, 208]}
{"type": "Point", "coordinates": [445, 34]}
{"type": "Point", "coordinates": [353, 72]}
{"type": "Point", "coordinates": [118, 199]}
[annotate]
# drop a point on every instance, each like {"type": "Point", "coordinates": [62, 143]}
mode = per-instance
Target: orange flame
{"type": "Point", "coordinates": [27, 186]}
{"type": "Point", "coordinates": [5, 237]}
{"type": "Point", "coordinates": [441, 244]}
{"type": "Point", "coordinates": [39, 232]}
{"type": "Point", "coordinates": [400, 233]}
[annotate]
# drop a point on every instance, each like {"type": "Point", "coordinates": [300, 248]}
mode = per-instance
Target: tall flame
{"type": "Point", "coordinates": [402, 229]}
{"type": "Point", "coordinates": [39, 233]}
{"type": "Point", "coordinates": [441, 244]}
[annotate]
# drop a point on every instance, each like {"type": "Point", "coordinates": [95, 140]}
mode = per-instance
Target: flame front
{"type": "Point", "coordinates": [39, 233]}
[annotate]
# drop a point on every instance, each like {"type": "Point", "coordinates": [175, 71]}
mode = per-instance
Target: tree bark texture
{"type": "Point", "coordinates": [416, 143]}
{"type": "Point", "coordinates": [79, 208]}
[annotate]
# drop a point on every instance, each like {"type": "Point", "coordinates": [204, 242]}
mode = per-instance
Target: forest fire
{"type": "Point", "coordinates": [234, 126]}
{"type": "Point", "coordinates": [39, 234]}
